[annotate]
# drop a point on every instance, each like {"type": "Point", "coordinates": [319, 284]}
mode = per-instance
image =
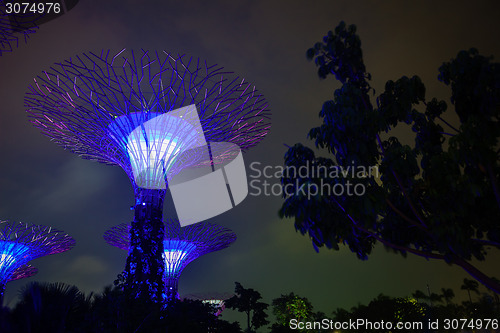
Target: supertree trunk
{"type": "Point", "coordinates": [181, 245]}
{"type": "Point", "coordinates": [172, 288]}
{"type": "Point", "coordinates": [2, 290]}
{"type": "Point", "coordinates": [145, 263]}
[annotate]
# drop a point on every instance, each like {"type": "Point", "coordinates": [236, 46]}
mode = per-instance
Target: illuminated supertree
{"type": "Point", "coordinates": [21, 242]}
{"type": "Point", "coordinates": [154, 115]}
{"type": "Point", "coordinates": [182, 245]}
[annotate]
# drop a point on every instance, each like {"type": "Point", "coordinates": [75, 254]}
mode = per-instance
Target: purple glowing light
{"type": "Point", "coordinates": [21, 242]}
{"type": "Point", "coordinates": [182, 245]}
{"type": "Point", "coordinates": [193, 240]}
{"type": "Point", "coordinates": [85, 103]}
{"type": "Point", "coordinates": [23, 272]}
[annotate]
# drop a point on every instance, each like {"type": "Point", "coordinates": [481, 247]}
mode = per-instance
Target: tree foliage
{"type": "Point", "coordinates": [470, 285]}
{"type": "Point", "coordinates": [292, 306]}
{"type": "Point", "coordinates": [447, 294]}
{"type": "Point", "coordinates": [438, 198]}
{"type": "Point", "coordinates": [249, 302]}
{"type": "Point", "coordinates": [57, 307]}
{"type": "Point", "coordinates": [51, 307]}
{"type": "Point", "coordinates": [411, 311]}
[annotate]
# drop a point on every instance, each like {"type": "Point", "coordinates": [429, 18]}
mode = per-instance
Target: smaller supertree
{"type": "Point", "coordinates": [181, 246]}
{"type": "Point", "coordinates": [21, 242]}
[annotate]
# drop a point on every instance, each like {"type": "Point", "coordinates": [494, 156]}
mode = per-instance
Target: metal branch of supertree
{"type": "Point", "coordinates": [182, 245]}
{"type": "Point", "coordinates": [13, 26]}
{"type": "Point", "coordinates": [21, 242]}
{"type": "Point", "coordinates": [25, 271]}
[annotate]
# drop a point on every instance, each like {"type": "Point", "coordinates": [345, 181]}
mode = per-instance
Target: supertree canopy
{"type": "Point", "coordinates": [155, 115]}
{"type": "Point", "coordinates": [182, 245]}
{"type": "Point", "coordinates": [21, 242]}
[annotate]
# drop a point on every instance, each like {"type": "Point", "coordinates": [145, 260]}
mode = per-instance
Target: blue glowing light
{"type": "Point", "coordinates": [21, 242]}
{"type": "Point", "coordinates": [153, 141]}
{"type": "Point", "coordinates": [6, 260]}
{"type": "Point", "coordinates": [181, 245]}
{"type": "Point", "coordinates": [177, 255]}
{"type": "Point", "coordinates": [12, 255]}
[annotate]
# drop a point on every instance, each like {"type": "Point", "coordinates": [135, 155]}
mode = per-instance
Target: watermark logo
{"type": "Point", "coordinates": [324, 180]}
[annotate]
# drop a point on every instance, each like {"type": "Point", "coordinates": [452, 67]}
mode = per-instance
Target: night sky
{"type": "Point", "coordinates": [264, 41]}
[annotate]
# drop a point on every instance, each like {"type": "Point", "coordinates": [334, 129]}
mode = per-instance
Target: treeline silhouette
{"type": "Point", "coordinates": [62, 308]}
{"type": "Point", "coordinates": [58, 308]}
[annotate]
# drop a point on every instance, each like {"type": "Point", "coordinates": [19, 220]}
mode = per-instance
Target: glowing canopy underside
{"type": "Point", "coordinates": [176, 253]}
{"type": "Point", "coordinates": [154, 141]}
{"type": "Point", "coordinates": [12, 255]}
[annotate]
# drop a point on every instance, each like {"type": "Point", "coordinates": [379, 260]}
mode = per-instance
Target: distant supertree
{"type": "Point", "coordinates": [13, 26]}
{"type": "Point", "coordinates": [21, 242]}
{"type": "Point", "coordinates": [20, 19]}
{"type": "Point", "coordinates": [216, 299]}
{"type": "Point", "coordinates": [181, 245]}
{"type": "Point", "coordinates": [153, 114]}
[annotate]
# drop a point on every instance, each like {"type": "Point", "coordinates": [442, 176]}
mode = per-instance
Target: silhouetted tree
{"type": "Point", "coordinates": [420, 295]}
{"type": "Point", "coordinates": [447, 294]}
{"type": "Point", "coordinates": [410, 311]}
{"type": "Point", "coordinates": [435, 298]}
{"type": "Point", "coordinates": [108, 311]}
{"type": "Point", "coordinates": [189, 316]}
{"type": "Point", "coordinates": [223, 326]}
{"type": "Point", "coordinates": [341, 315]}
{"type": "Point", "coordinates": [51, 307]}
{"type": "Point", "coordinates": [470, 285]}
{"type": "Point", "coordinates": [384, 308]}
{"type": "Point", "coordinates": [5, 320]}
{"type": "Point", "coordinates": [248, 302]}
{"type": "Point", "coordinates": [439, 199]}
